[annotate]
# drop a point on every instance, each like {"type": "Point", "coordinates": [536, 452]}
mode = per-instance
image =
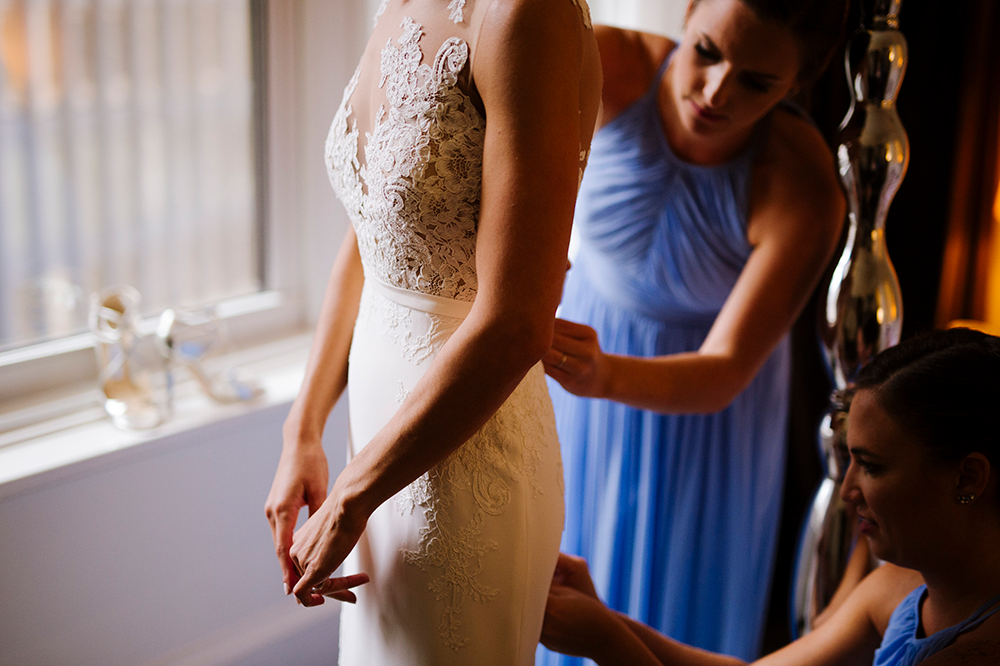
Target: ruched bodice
{"type": "Point", "coordinates": [662, 236]}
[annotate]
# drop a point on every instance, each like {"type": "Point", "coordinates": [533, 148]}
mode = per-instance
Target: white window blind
{"type": "Point", "coordinates": [127, 156]}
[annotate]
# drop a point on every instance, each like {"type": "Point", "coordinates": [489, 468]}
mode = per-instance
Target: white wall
{"type": "Point", "coordinates": [158, 554]}
{"type": "Point", "coordinates": [665, 17]}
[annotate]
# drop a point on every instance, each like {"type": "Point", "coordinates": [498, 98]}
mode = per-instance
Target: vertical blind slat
{"type": "Point", "coordinates": [126, 157]}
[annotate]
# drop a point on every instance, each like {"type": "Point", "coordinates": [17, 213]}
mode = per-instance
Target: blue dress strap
{"type": "Point", "coordinates": [901, 645]}
{"type": "Point", "coordinates": [981, 615]}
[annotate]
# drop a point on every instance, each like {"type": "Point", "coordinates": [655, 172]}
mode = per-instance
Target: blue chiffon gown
{"type": "Point", "coordinates": [676, 514]}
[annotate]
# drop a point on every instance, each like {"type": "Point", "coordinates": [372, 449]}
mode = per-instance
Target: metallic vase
{"type": "Point", "coordinates": [862, 312]}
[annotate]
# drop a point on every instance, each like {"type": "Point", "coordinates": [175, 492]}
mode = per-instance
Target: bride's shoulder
{"type": "Point", "coordinates": [563, 19]}
{"type": "Point", "coordinates": [543, 32]}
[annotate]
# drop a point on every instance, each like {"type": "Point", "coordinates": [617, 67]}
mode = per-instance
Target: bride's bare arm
{"type": "Point", "coordinates": [303, 475]}
{"type": "Point", "coordinates": [529, 71]}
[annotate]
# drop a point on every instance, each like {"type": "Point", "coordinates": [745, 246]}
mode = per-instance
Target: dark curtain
{"type": "Point", "coordinates": [976, 171]}
{"type": "Point", "coordinates": [950, 54]}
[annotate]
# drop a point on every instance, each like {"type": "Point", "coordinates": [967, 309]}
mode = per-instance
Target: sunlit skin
{"type": "Point", "coordinates": [729, 71]}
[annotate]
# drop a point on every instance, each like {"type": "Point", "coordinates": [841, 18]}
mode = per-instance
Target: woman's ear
{"type": "Point", "coordinates": [973, 476]}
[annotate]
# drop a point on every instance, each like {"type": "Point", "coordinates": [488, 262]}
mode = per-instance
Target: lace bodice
{"type": "Point", "coordinates": [412, 187]}
{"type": "Point", "coordinates": [414, 202]}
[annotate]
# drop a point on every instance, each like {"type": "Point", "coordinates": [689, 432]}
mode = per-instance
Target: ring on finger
{"type": "Point", "coordinates": [559, 365]}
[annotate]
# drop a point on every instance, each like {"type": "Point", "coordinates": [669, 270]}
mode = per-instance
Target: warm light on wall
{"type": "Point", "coordinates": [991, 310]}
{"type": "Point", "coordinates": [993, 279]}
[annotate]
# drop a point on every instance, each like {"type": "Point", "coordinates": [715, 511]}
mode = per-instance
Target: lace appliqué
{"type": "Point", "coordinates": [414, 203]}
{"type": "Point", "coordinates": [342, 149]}
{"type": "Point", "coordinates": [584, 13]}
{"type": "Point", "coordinates": [505, 449]}
{"type": "Point", "coordinates": [456, 10]}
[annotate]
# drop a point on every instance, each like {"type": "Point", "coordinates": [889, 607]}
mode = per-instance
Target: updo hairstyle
{"type": "Point", "coordinates": [944, 388]}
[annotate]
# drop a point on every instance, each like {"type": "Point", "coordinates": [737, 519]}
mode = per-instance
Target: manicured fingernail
{"type": "Point", "coordinates": [288, 590]}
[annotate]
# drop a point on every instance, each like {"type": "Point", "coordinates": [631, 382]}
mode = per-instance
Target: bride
{"type": "Point", "coordinates": [457, 150]}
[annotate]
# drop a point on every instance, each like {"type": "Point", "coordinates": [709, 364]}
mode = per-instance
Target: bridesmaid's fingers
{"type": "Point", "coordinates": [561, 366]}
{"type": "Point", "coordinates": [574, 330]}
{"type": "Point", "coordinates": [567, 375]}
{"type": "Point", "coordinates": [574, 343]}
{"type": "Point", "coordinates": [555, 357]}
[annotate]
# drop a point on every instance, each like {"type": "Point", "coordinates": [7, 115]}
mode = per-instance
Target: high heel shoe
{"type": "Point", "coordinates": [190, 338]}
{"type": "Point", "coordinates": [130, 377]}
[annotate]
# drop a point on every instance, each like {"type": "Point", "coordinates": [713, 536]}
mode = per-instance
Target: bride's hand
{"type": "Point", "coordinates": [320, 546]}
{"type": "Point", "coordinates": [576, 361]}
{"type": "Point", "coordinates": [301, 480]}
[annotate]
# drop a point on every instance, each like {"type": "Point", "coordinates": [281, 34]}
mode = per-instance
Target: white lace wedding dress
{"type": "Point", "coordinates": [460, 561]}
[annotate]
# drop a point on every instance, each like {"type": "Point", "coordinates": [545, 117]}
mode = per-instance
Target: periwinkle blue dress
{"type": "Point", "coordinates": [676, 514]}
{"type": "Point", "coordinates": [902, 644]}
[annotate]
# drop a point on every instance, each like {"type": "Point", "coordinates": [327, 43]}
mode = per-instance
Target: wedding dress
{"type": "Point", "coordinates": [460, 560]}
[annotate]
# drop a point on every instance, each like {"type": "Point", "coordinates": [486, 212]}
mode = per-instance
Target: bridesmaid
{"type": "Point", "coordinates": [708, 211]}
{"type": "Point", "coordinates": [923, 478]}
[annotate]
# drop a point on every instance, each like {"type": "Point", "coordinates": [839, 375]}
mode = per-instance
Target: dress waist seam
{"type": "Point", "coordinates": [415, 300]}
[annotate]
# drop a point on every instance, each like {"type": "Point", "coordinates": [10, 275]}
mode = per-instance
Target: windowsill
{"type": "Point", "coordinates": [85, 438]}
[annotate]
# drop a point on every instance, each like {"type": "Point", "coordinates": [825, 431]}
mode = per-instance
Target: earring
{"type": "Point", "coordinates": [966, 499]}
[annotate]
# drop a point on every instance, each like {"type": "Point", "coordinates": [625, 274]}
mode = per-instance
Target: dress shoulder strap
{"type": "Point", "coordinates": [945, 637]}
{"type": "Point", "coordinates": [981, 615]}
{"type": "Point", "coordinates": [660, 71]}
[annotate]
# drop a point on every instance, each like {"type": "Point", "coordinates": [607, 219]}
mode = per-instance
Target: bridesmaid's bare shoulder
{"type": "Point", "coordinates": [629, 59]}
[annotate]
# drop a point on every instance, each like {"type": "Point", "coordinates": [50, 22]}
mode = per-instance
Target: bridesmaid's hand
{"type": "Point", "coordinates": [575, 623]}
{"type": "Point", "coordinates": [320, 546]}
{"type": "Point", "coordinates": [573, 572]}
{"type": "Point", "coordinates": [576, 361]}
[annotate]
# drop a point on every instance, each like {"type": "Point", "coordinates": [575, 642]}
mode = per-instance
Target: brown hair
{"type": "Point", "coordinates": [944, 387]}
{"type": "Point", "coordinates": [818, 27]}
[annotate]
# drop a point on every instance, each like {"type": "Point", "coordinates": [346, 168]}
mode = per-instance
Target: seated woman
{"type": "Point", "coordinates": [925, 450]}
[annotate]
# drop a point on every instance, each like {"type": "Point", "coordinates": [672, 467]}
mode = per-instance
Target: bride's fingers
{"type": "Point", "coordinates": [313, 593]}
{"type": "Point", "coordinates": [345, 596]}
{"type": "Point", "coordinates": [330, 586]}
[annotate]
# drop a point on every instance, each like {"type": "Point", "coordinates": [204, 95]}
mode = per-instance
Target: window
{"type": "Point", "coordinates": [126, 157]}
{"type": "Point", "coordinates": [144, 142]}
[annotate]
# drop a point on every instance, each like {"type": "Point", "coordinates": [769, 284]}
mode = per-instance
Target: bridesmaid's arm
{"type": "Point", "coordinates": [797, 211]}
{"type": "Point", "coordinates": [532, 61]}
{"type": "Point", "coordinates": [629, 61]}
{"type": "Point", "coordinates": [578, 623]}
